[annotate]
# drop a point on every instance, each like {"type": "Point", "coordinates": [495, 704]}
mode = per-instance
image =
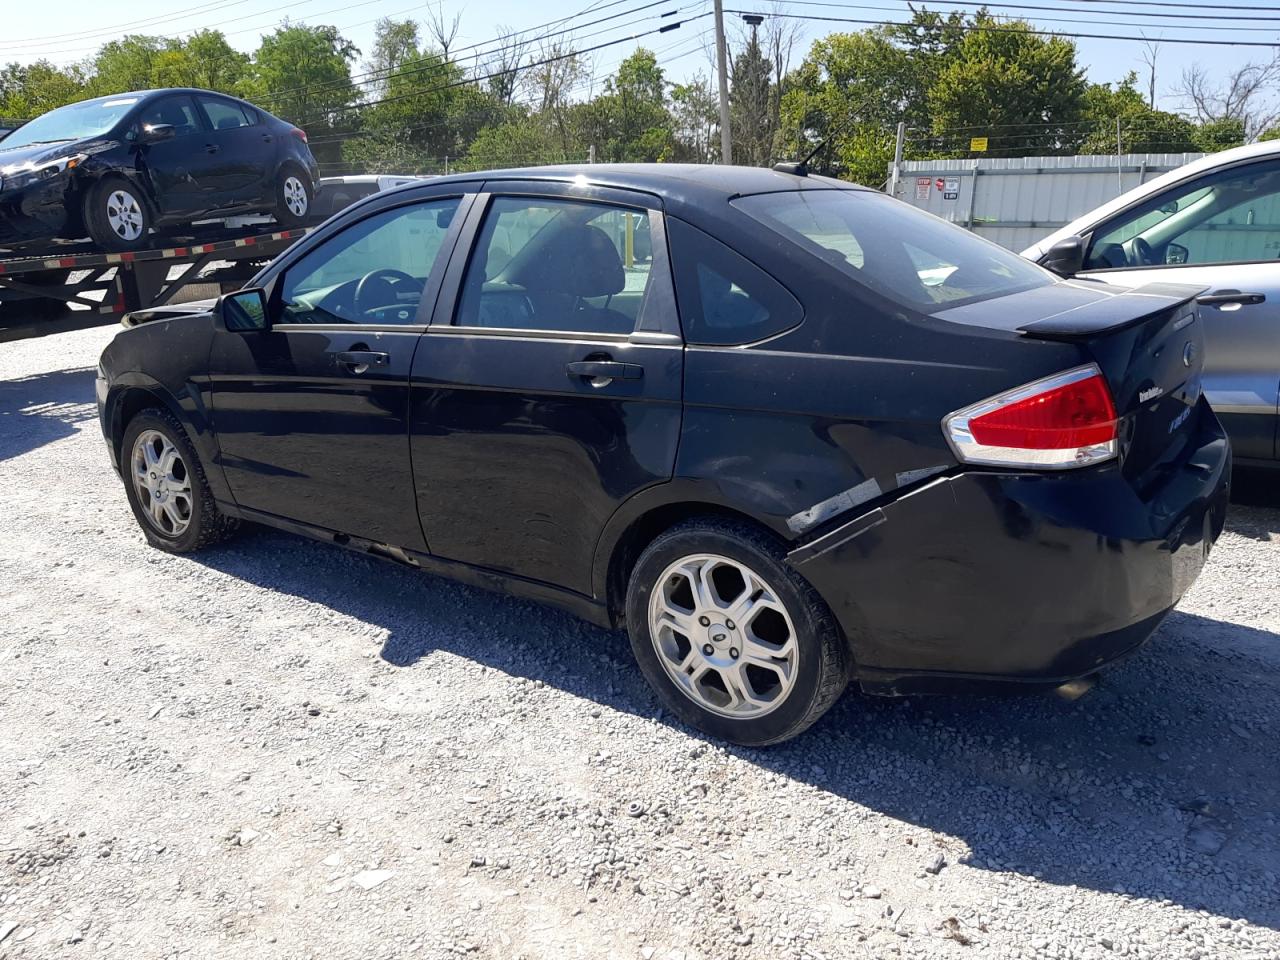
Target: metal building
{"type": "Point", "coordinates": [1018, 200]}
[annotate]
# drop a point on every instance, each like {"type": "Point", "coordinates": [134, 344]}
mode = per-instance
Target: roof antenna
{"type": "Point", "coordinates": [801, 169]}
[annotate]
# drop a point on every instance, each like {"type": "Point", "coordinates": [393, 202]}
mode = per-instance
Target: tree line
{"type": "Point", "coordinates": [419, 103]}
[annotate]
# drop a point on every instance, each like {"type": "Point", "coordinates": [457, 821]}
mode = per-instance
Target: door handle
{"type": "Point", "coordinates": [267, 138]}
{"type": "Point", "coordinates": [361, 360]}
{"type": "Point", "coordinates": [1230, 296]}
{"type": "Point", "coordinates": [211, 148]}
{"type": "Point", "coordinates": [604, 370]}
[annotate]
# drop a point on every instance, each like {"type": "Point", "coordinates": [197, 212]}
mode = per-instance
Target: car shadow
{"type": "Point", "coordinates": [1155, 784]}
{"type": "Point", "coordinates": [41, 409]}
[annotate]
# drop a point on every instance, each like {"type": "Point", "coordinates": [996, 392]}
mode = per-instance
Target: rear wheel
{"type": "Point", "coordinates": [293, 198]}
{"type": "Point", "coordinates": [166, 487]}
{"type": "Point", "coordinates": [735, 643]}
{"type": "Point", "coordinates": [116, 216]}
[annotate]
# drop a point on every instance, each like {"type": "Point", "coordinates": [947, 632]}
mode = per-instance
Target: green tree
{"type": "Point", "coordinates": [28, 90]}
{"type": "Point", "coordinates": [1142, 128]}
{"type": "Point", "coordinates": [1025, 92]}
{"type": "Point", "coordinates": [752, 107]}
{"type": "Point", "coordinates": [695, 117]}
{"type": "Point", "coordinates": [130, 63]}
{"type": "Point", "coordinates": [1220, 134]}
{"type": "Point", "coordinates": [630, 120]}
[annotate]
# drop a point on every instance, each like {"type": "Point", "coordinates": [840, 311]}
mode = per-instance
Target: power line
{"type": "Point", "coordinates": [994, 29]}
{"type": "Point", "coordinates": [498, 73]}
{"type": "Point", "coordinates": [1059, 9]}
{"type": "Point", "coordinates": [121, 28]}
{"type": "Point", "coordinates": [438, 60]}
{"type": "Point", "coordinates": [1023, 6]}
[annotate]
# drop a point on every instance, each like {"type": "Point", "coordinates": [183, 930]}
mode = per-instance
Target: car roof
{"type": "Point", "coordinates": [1188, 171]}
{"type": "Point", "coordinates": [678, 183]}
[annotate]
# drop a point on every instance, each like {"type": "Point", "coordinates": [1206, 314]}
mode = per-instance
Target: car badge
{"type": "Point", "coordinates": [1150, 394]}
{"type": "Point", "coordinates": [1189, 353]}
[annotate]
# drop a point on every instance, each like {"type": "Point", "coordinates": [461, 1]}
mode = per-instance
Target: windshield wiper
{"type": "Point", "coordinates": [38, 143]}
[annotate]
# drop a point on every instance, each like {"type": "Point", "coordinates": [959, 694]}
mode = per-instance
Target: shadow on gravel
{"type": "Point", "coordinates": [1152, 785]}
{"type": "Point", "coordinates": [47, 407]}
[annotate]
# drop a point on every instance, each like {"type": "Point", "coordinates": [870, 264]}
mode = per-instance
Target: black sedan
{"type": "Point", "coordinates": [807, 434]}
{"type": "Point", "coordinates": [116, 168]}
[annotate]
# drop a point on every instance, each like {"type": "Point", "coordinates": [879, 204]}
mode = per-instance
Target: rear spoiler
{"type": "Point", "coordinates": [1122, 309]}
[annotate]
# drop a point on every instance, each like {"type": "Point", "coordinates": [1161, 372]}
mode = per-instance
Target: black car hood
{"type": "Point", "coordinates": [41, 153]}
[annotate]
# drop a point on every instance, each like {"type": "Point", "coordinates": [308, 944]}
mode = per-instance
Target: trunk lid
{"type": "Point", "coordinates": [1147, 341]}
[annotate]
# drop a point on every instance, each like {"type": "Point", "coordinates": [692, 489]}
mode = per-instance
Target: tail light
{"type": "Point", "coordinates": [299, 133]}
{"type": "Point", "coordinates": [1067, 420]}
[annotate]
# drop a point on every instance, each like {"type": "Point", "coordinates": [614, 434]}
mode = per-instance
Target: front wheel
{"type": "Point", "coordinates": [293, 198]}
{"type": "Point", "coordinates": [166, 486]}
{"type": "Point", "coordinates": [116, 216]}
{"type": "Point", "coordinates": [736, 643]}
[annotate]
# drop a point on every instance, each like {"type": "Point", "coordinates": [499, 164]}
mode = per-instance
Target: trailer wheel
{"type": "Point", "coordinates": [293, 197]}
{"type": "Point", "coordinates": [116, 215]}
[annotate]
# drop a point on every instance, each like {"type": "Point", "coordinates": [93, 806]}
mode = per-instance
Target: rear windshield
{"type": "Point", "coordinates": [907, 256]}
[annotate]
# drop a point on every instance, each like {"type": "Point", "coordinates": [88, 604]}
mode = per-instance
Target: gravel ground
{"type": "Point", "coordinates": [280, 749]}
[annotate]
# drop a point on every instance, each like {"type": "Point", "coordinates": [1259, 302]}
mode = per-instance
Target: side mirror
{"type": "Point", "coordinates": [155, 132]}
{"type": "Point", "coordinates": [1066, 257]}
{"type": "Point", "coordinates": [1175, 253]}
{"type": "Point", "coordinates": [244, 311]}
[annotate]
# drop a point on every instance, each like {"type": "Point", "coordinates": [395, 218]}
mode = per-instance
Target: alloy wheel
{"type": "Point", "coordinates": [723, 636]}
{"type": "Point", "coordinates": [162, 483]}
{"type": "Point", "coordinates": [124, 215]}
{"type": "Point", "coordinates": [295, 196]}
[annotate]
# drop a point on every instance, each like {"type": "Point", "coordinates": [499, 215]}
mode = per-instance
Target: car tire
{"type": "Point", "coordinates": [754, 681]}
{"type": "Point", "coordinates": [294, 198]}
{"type": "Point", "coordinates": [116, 215]}
{"type": "Point", "coordinates": [171, 502]}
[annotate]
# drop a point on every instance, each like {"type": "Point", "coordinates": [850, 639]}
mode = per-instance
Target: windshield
{"type": "Point", "coordinates": [905, 255]}
{"type": "Point", "coordinates": [77, 121]}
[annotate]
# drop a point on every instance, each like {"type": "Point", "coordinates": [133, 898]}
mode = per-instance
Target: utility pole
{"type": "Point", "coordinates": [722, 68]}
{"type": "Point", "coordinates": [896, 174]}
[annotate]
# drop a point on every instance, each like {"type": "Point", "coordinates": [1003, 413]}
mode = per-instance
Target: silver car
{"type": "Point", "coordinates": [1214, 223]}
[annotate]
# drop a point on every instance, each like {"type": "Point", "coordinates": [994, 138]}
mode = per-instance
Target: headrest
{"type": "Point", "coordinates": [578, 260]}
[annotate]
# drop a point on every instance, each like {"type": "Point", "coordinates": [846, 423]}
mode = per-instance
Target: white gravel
{"type": "Point", "coordinates": [279, 749]}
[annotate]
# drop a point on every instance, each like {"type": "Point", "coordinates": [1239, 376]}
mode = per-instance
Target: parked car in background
{"type": "Point", "coordinates": [338, 193]}
{"type": "Point", "coordinates": [771, 447]}
{"type": "Point", "coordinates": [117, 168]}
{"type": "Point", "coordinates": [1214, 223]}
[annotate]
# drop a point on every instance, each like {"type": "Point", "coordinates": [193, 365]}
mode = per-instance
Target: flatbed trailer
{"type": "Point", "coordinates": [36, 287]}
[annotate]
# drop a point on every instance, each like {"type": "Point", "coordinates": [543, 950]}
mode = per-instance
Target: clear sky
{"type": "Point", "coordinates": [73, 29]}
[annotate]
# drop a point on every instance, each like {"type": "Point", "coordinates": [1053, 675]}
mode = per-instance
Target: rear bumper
{"type": "Point", "coordinates": [1031, 578]}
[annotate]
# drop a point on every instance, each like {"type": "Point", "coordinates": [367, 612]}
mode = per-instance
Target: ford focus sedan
{"type": "Point", "coordinates": [787, 432]}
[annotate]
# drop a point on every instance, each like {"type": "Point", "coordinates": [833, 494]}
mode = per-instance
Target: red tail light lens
{"type": "Point", "coordinates": [1067, 420]}
{"type": "Point", "coordinates": [299, 133]}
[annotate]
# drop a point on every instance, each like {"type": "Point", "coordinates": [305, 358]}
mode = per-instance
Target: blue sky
{"type": "Point", "coordinates": [79, 27]}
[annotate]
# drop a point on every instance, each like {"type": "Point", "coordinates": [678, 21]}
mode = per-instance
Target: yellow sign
{"type": "Point", "coordinates": [978, 144]}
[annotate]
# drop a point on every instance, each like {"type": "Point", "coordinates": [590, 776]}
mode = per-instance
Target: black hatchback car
{"type": "Point", "coordinates": [117, 167]}
{"type": "Point", "coordinates": [802, 434]}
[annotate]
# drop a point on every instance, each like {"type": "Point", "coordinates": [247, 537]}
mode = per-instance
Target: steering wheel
{"type": "Point", "coordinates": [1143, 253]}
{"type": "Point", "coordinates": [379, 284]}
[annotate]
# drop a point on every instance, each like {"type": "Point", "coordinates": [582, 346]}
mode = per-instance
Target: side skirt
{"type": "Point", "coordinates": [580, 605]}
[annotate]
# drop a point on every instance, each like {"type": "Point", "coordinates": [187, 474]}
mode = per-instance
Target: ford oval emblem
{"type": "Point", "coordinates": [1189, 354]}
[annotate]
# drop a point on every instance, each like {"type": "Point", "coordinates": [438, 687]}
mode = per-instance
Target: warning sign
{"type": "Point", "coordinates": [978, 144]}
{"type": "Point", "coordinates": [950, 188]}
{"type": "Point", "coordinates": [922, 188]}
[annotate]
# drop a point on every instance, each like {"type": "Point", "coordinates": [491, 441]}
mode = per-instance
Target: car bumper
{"type": "Point", "coordinates": [1033, 578]}
{"type": "Point", "coordinates": [33, 213]}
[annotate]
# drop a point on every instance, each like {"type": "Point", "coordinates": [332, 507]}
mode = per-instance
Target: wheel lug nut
{"type": "Point", "coordinates": [705, 621]}
{"type": "Point", "coordinates": [733, 652]}
{"type": "Point", "coordinates": [729, 624]}
{"type": "Point", "coordinates": [708, 649]}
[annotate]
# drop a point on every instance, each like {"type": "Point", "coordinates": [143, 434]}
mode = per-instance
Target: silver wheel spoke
{"type": "Point", "coordinates": [163, 483]}
{"type": "Point", "coordinates": [723, 636]}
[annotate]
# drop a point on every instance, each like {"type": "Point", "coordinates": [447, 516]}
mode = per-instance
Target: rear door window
{"type": "Point", "coordinates": [224, 114]}
{"type": "Point", "coordinates": [903, 254]}
{"type": "Point", "coordinates": [542, 263]}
